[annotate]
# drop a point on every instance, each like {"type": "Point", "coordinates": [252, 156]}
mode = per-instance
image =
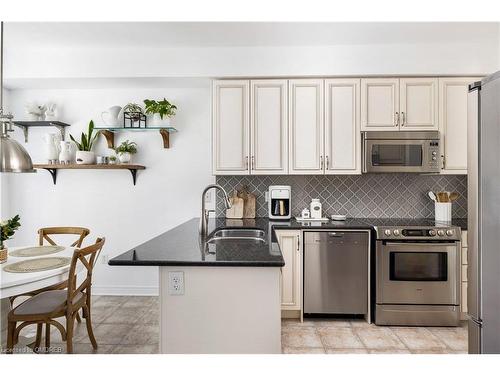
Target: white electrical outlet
{"type": "Point", "coordinates": [104, 259]}
{"type": "Point", "coordinates": [208, 197]}
{"type": "Point", "coordinates": [176, 283]}
{"type": "Point", "coordinates": [266, 196]}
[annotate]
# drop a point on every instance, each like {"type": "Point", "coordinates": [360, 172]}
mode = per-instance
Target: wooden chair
{"type": "Point", "coordinates": [46, 306]}
{"type": "Point", "coordinates": [43, 234]}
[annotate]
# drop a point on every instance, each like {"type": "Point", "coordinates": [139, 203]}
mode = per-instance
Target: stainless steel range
{"type": "Point", "coordinates": [417, 273]}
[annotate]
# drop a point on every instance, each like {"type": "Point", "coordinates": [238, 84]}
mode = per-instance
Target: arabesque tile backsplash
{"type": "Point", "coordinates": [364, 196]}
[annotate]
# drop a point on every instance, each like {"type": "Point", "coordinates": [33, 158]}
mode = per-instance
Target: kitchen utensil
{"type": "Point", "coordinates": [338, 217]}
{"type": "Point", "coordinates": [432, 196]}
{"type": "Point", "coordinates": [442, 197]}
{"type": "Point", "coordinates": [236, 210]}
{"type": "Point", "coordinates": [453, 196]}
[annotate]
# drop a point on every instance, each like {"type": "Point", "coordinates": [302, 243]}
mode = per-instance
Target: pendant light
{"type": "Point", "coordinates": [13, 157]}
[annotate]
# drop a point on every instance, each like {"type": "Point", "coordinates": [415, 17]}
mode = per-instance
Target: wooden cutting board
{"type": "Point", "coordinates": [248, 203]}
{"type": "Point", "coordinates": [236, 210]}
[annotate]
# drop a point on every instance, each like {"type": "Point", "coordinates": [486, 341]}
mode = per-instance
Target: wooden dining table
{"type": "Point", "coordinates": [12, 284]}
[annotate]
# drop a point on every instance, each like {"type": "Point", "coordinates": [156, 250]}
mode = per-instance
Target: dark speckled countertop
{"type": "Point", "coordinates": [182, 245]}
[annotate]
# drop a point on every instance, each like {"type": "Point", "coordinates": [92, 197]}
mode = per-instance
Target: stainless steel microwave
{"type": "Point", "coordinates": [401, 151]}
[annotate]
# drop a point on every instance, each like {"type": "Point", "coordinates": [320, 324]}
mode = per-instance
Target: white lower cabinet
{"type": "Point", "coordinates": [291, 274]}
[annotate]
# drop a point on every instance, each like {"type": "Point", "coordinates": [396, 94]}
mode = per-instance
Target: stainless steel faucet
{"type": "Point", "coordinates": [205, 212]}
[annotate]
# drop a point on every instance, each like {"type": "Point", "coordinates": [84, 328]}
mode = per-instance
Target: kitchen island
{"type": "Point", "coordinates": [216, 296]}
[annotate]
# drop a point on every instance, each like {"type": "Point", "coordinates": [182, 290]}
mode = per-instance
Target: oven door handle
{"type": "Point", "coordinates": [420, 244]}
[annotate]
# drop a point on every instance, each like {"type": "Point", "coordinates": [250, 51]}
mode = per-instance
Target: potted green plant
{"type": "Point", "coordinates": [7, 230]}
{"type": "Point", "coordinates": [85, 155]}
{"type": "Point", "coordinates": [112, 159]}
{"type": "Point", "coordinates": [161, 110]}
{"type": "Point", "coordinates": [125, 151]}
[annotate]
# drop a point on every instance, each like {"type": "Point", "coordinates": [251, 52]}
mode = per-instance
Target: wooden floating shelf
{"type": "Point", "coordinates": [25, 125]}
{"type": "Point", "coordinates": [109, 133]}
{"type": "Point", "coordinates": [53, 168]}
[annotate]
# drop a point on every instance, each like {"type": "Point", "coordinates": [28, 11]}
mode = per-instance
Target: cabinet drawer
{"type": "Point", "coordinates": [464, 273]}
{"type": "Point", "coordinates": [463, 304]}
{"type": "Point", "coordinates": [464, 238]}
{"type": "Point", "coordinates": [464, 255]}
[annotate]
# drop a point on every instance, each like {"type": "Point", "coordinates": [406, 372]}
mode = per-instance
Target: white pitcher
{"type": "Point", "coordinates": [111, 117]}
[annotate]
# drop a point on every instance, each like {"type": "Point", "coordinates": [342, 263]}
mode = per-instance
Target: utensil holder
{"type": "Point", "coordinates": [442, 211]}
{"type": "Point", "coordinates": [3, 255]}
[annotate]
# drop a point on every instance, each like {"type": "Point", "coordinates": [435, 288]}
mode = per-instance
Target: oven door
{"type": "Point", "coordinates": [396, 155]}
{"type": "Point", "coordinates": [417, 273]}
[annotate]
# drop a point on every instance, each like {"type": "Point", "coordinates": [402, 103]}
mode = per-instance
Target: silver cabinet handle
{"type": "Point", "coordinates": [298, 243]}
{"type": "Point", "coordinates": [246, 162]}
{"type": "Point", "coordinates": [327, 162]}
{"type": "Point", "coordinates": [321, 162]}
{"type": "Point", "coordinates": [253, 162]}
{"type": "Point", "coordinates": [397, 118]}
{"type": "Point", "coordinates": [403, 119]}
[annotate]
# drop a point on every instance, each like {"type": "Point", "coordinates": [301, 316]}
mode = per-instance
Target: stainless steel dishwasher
{"type": "Point", "coordinates": [336, 272]}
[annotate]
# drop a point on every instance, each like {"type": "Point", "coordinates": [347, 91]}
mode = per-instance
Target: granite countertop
{"type": "Point", "coordinates": [182, 245]}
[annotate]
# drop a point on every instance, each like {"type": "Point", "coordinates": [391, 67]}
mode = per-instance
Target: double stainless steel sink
{"type": "Point", "coordinates": [243, 234]}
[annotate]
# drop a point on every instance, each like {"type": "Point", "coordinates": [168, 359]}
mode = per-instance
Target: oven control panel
{"type": "Point", "coordinates": [418, 233]}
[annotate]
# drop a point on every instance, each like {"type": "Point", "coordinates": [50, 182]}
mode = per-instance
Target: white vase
{"type": "Point", "coordinates": [65, 154]}
{"type": "Point", "coordinates": [51, 149]}
{"type": "Point", "coordinates": [124, 157]}
{"type": "Point", "coordinates": [85, 157]}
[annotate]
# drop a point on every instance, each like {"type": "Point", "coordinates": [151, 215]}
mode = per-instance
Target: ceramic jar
{"type": "Point", "coordinates": [316, 209]}
{"type": "Point", "coordinates": [51, 148]}
{"type": "Point", "coordinates": [65, 154]}
{"type": "Point", "coordinates": [3, 255]}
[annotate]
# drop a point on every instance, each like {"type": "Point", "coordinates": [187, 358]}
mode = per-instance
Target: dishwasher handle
{"type": "Point", "coordinates": [335, 234]}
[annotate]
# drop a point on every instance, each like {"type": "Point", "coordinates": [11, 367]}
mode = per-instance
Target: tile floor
{"type": "Point", "coordinates": [130, 325]}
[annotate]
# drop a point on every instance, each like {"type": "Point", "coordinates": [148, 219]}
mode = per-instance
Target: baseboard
{"type": "Point", "coordinates": [125, 290]}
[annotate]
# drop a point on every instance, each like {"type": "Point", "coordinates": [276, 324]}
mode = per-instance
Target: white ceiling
{"type": "Point", "coordinates": [199, 34]}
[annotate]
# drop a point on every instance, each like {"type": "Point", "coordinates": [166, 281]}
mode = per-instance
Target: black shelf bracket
{"type": "Point", "coordinates": [134, 175]}
{"type": "Point", "coordinates": [53, 173]}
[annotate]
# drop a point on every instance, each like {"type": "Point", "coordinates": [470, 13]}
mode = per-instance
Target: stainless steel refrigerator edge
{"type": "Point", "coordinates": [483, 166]}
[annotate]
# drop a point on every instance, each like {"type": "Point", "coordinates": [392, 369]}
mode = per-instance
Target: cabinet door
{"type": "Point", "coordinates": [230, 127]}
{"type": "Point", "coordinates": [291, 273]}
{"type": "Point", "coordinates": [453, 94]}
{"type": "Point", "coordinates": [379, 104]}
{"type": "Point", "coordinates": [269, 127]}
{"type": "Point", "coordinates": [342, 130]}
{"type": "Point", "coordinates": [418, 103]}
{"type": "Point", "coordinates": [306, 126]}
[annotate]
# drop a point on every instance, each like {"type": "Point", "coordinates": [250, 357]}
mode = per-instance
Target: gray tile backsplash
{"type": "Point", "coordinates": [369, 195]}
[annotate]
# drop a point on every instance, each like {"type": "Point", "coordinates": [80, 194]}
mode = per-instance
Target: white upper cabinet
{"type": "Point", "coordinates": [379, 104]}
{"type": "Point", "coordinates": [342, 126]}
{"type": "Point", "coordinates": [230, 127]}
{"type": "Point", "coordinates": [418, 104]}
{"type": "Point", "coordinates": [269, 127]}
{"type": "Point", "coordinates": [453, 123]}
{"type": "Point", "coordinates": [306, 126]}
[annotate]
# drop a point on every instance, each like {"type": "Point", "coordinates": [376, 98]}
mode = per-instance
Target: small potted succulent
{"type": "Point", "coordinates": [112, 159]}
{"type": "Point", "coordinates": [161, 110]}
{"type": "Point", "coordinates": [125, 151]}
{"type": "Point", "coordinates": [7, 230]}
{"type": "Point", "coordinates": [85, 155]}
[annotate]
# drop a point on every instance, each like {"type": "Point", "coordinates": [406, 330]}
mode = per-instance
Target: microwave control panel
{"type": "Point", "coordinates": [433, 156]}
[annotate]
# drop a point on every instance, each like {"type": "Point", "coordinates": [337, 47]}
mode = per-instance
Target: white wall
{"type": "Point", "coordinates": [432, 58]}
{"type": "Point", "coordinates": [167, 192]}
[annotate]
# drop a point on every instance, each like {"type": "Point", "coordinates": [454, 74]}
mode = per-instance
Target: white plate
{"type": "Point", "coordinates": [339, 217]}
